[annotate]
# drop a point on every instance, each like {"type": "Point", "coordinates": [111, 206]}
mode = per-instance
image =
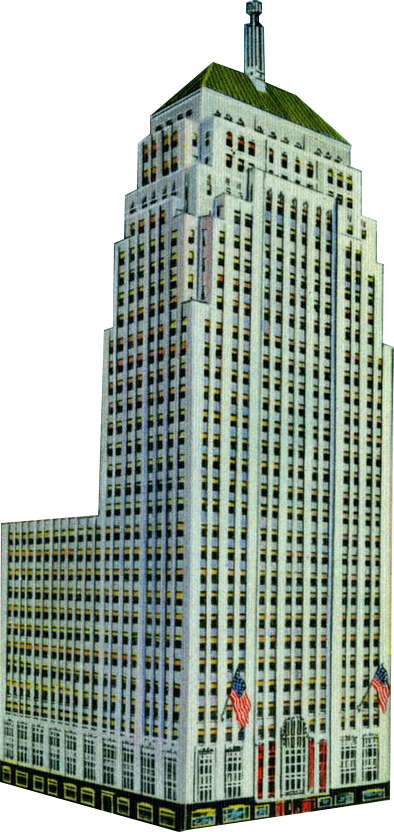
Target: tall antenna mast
{"type": "Point", "coordinates": [254, 60]}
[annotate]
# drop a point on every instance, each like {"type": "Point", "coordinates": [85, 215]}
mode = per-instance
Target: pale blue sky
{"type": "Point", "coordinates": [73, 105]}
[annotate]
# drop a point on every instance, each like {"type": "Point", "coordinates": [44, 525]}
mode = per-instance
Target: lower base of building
{"type": "Point", "coordinates": [176, 816]}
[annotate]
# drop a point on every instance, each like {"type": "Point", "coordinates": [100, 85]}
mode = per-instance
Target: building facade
{"type": "Point", "coordinates": [245, 489]}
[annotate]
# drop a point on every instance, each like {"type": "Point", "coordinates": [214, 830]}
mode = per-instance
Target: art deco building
{"type": "Point", "coordinates": [245, 488]}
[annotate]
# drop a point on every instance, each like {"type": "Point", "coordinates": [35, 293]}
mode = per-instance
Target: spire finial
{"type": "Point", "coordinates": [254, 46]}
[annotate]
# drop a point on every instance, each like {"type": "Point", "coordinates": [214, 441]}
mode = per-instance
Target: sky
{"type": "Point", "coordinates": [79, 83]}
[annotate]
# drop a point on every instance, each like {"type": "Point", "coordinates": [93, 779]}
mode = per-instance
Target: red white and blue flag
{"type": "Point", "coordinates": [381, 684]}
{"type": "Point", "coordinates": [240, 700]}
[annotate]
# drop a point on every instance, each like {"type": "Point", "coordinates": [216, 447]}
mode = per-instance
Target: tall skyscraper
{"type": "Point", "coordinates": [214, 645]}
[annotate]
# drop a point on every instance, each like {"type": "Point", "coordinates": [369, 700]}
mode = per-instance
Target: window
{"type": "Point", "coordinates": [123, 806]}
{"type": "Point", "coordinates": [147, 771]}
{"type": "Point", "coordinates": [169, 777]}
{"type": "Point", "coordinates": [233, 772]}
{"type": "Point", "coordinates": [54, 750]}
{"type": "Point", "coordinates": [204, 775]}
{"type": "Point", "coordinates": [348, 760]}
{"type": "Point", "coordinates": [70, 754]}
{"type": "Point", "coordinates": [8, 739]}
{"type": "Point", "coordinates": [145, 812]}
{"type": "Point", "coordinates": [22, 747]}
{"type": "Point", "coordinates": [229, 139]}
{"type": "Point", "coordinates": [127, 766]}
{"type": "Point", "coordinates": [251, 148]}
{"type": "Point", "coordinates": [6, 774]}
{"type": "Point", "coordinates": [284, 160]}
{"type": "Point", "coordinates": [109, 755]}
{"type": "Point", "coordinates": [88, 758]}
{"type": "Point", "coordinates": [87, 797]}
{"type": "Point", "coordinates": [70, 792]}
{"type": "Point", "coordinates": [370, 758]}
{"type": "Point", "coordinates": [234, 813]}
{"type": "Point", "coordinates": [166, 818]}
{"type": "Point", "coordinates": [38, 783]}
{"type": "Point", "coordinates": [309, 170]}
{"type": "Point", "coordinates": [37, 745]}
{"type": "Point", "coordinates": [294, 746]}
{"type": "Point", "coordinates": [52, 787]}
{"type": "Point", "coordinates": [22, 779]}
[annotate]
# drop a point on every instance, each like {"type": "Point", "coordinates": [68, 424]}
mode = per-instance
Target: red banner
{"type": "Point", "coordinates": [311, 764]}
{"type": "Point", "coordinates": [323, 766]}
{"type": "Point", "coordinates": [260, 770]}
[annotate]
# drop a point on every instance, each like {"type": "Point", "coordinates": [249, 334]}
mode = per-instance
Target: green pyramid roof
{"type": "Point", "coordinates": [239, 86]}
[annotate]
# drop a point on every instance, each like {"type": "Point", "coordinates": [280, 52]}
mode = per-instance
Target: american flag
{"type": "Point", "coordinates": [381, 684]}
{"type": "Point", "coordinates": [240, 700]}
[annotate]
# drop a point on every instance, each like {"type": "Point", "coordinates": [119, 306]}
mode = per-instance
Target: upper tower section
{"type": "Point", "coordinates": [254, 62]}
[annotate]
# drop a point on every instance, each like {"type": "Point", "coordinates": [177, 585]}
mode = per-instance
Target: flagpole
{"type": "Point", "coordinates": [365, 695]}
{"type": "Point", "coordinates": [228, 697]}
{"type": "Point", "coordinates": [225, 708]}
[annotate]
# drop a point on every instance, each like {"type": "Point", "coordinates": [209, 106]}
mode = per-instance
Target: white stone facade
{"type": "Point", "coordinates": [245, 487]}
